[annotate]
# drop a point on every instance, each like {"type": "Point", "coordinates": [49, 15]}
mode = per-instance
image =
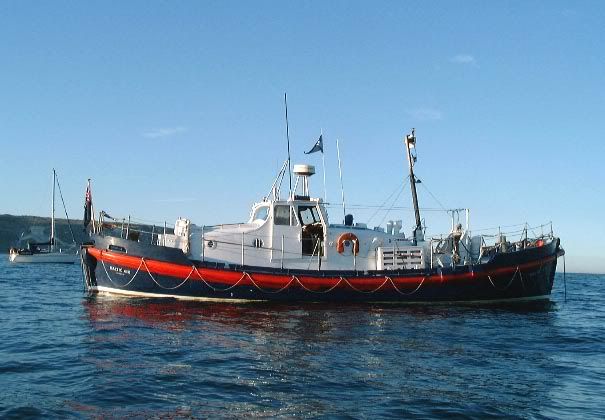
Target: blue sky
{"type": "Point", "coordinates": [176, 108]}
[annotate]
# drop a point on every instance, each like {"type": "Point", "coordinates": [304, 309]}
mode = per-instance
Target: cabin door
{"type": "Point", "coordinates": [312, 236]}
{"type": "Point", "coordinates": [286, 233]}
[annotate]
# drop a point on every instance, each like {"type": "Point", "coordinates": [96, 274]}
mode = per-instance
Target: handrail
{"type": "Point", "coordinates": [490, 243]}
{"type": "Point", "coordinates": [500, 232]}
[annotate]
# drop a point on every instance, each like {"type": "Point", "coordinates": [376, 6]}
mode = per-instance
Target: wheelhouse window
{"type": "Point", "coordinates": [261, 214]}
{"type": "Point", "coordinates": [281, 215]}
{"type": "Point", "coordinates": [308, 215]}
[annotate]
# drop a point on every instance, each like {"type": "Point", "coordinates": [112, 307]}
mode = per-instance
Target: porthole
{"type": "Point", "coordinates": [211, 244]}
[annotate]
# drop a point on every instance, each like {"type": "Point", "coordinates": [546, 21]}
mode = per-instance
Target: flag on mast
{"type": "Point", "coordinates": [87, 206]}
{"type": "Point", "coordinates": [317, 147]}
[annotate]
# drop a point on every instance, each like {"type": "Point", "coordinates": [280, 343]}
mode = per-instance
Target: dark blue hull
{"type": "Point", "coordinates": [146, 270]}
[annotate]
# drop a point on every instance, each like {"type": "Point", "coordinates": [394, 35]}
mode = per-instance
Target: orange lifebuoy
{"type": "Point", "coordinates": [539, 243]}
{"type": "Point", "coordinates": [340, 243]}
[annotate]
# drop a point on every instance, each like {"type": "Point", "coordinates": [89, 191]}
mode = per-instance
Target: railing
{"type": "Point", "coordinates": [316, 247]}
{"type": "Point", "coordinates": [444, 250]}
{"type": "Point", "coordinates": [491, 243]}
{"type": "Point", "coordinates": [134, 229]}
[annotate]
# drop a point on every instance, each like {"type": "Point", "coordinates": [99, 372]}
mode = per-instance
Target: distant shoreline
{"type": "Point", "coordinates": [15, 229]}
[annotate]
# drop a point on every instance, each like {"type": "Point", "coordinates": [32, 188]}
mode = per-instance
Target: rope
{"type": "Point", "coordinates": [294, 278]}
{"type": "Point", "coordinates": [215, 289]}
{"type": "Point", "coordinates": [65, 209]}
{"type": "Point", "coordinates": [564, 281]}
{"type": "Point", "coordinates": [129, 281]}
{"type": "Point", "coordinates": [380, 207]}
{"type": "Point", "coordinates": [511, 232]}
{"type": "Point", "coordinates": [392, 204]}
{"type": "Point", "coordinates": [267, 291]}
{"type": "Point", "coordinates": [410, 293]}
{"type": "Point", "coordinates": [509, 283]}
{"type": "Point", "coordinates": [362, 291]}
{"type": "Point", "coordinates": [85, 271]}
{"type": "Point", "coordinates": [315, 291]}
{"type": "Point", "coordinates": [521, 276]}
{"type": "Point", "coordinates": [434, 198]}
{"type": "Point", "coordinates": [159, 285]}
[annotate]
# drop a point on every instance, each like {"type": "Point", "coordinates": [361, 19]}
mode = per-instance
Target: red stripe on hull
{"type": "Point", "coordinates": [278, 281]}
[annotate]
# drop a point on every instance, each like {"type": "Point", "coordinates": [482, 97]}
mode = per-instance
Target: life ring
{"type": "Point", "coordinates": [340, 243]}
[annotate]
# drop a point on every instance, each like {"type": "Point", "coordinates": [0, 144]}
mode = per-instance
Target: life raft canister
{"type": "Point", "coordinates": [340, 243]}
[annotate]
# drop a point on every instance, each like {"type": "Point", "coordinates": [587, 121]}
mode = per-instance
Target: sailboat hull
{"type": "Point", "coordinates": [44, 253]}
{"type": "Point", "coordinates": [145, 270]}
{"type": "Point", "coordinates": [44, 258]}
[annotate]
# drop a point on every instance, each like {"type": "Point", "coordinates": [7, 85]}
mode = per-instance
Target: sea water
{"type": "Point", "coordinates": [66, 354]}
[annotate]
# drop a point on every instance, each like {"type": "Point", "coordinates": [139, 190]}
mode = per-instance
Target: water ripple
{"type": "Point", "coordinates": [64, 354]}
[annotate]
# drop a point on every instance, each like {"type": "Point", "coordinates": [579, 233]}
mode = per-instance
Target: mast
{"type": "Point", "coordinates": [410, 142]}
{"type": "Point", "coordinates": [290, 196]}
{"type": "Point", "coordinates": [52, 215]}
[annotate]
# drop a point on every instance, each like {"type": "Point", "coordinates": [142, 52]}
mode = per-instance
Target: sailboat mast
{"type": "Point", "coordinates": [52, 215]}
{"type": "Point", "coordinates": [410, 141]}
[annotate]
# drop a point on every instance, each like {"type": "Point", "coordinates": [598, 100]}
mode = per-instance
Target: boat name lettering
{"type": "Point", "coordinates": [119, 270]}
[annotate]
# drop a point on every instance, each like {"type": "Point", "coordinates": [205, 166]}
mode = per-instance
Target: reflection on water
{"type": "Point", "coordinates": [314, 359]}
{"type": "Point", "coordinates": [64, 354]}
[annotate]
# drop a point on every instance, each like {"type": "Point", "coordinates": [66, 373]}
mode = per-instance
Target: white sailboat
{"type": "Point", "coordinates": [45, 252]}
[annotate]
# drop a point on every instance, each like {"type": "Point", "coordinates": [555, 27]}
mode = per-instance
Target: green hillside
{"type": "Point", "coordinates": [12, 228]}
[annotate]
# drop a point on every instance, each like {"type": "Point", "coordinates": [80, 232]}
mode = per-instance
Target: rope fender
{"type": "Point", "coordinates": [129, 281]}
{"type": "Point", "coordinates": [509, 283]}
{"type": "Point", "coordinates": [294, 279]}
{"type": "Point", "coordinates": [316, 291]}
{"type": "Point", "coordinates": [246, 275]}
{"type": "Point", "coordinates": [163, 287]}
{"type": "Point", "coordinates": [409, 293]}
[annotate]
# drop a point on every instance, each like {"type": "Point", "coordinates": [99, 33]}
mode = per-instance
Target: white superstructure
{"type": "Point", "coordinates": [296, 233]}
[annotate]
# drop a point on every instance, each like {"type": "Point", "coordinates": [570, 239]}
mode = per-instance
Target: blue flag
{"type": "Point", "coordinates": [318, 147]}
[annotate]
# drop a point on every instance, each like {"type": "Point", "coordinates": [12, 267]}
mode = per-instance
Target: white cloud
{"type": "Point", "coordinates": [464, 59]}
{"type": "Point", "coordinates": [164, 132]}
{"type": "Point", "coordinates": [425, 114]}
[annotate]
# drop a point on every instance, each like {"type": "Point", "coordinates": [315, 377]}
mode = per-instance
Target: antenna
{"type": "Point", "coordinates": [288, 138]}
{"type": "Point", "coordinates": [323, 164]}
{"type": "Point", "coordinates": [342, 189]}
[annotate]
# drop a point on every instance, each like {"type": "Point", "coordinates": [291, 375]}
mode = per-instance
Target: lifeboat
{"type": "Point", "coordinates": [289, 251]}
